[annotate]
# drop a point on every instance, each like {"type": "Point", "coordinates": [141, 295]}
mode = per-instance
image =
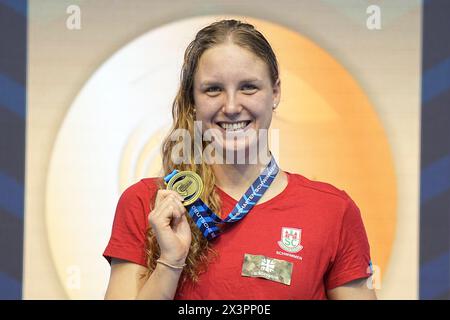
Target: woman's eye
{"type": "Point", "coordinates": [213, 90]}
{"type": "Point", "coordinates": [249, 88]}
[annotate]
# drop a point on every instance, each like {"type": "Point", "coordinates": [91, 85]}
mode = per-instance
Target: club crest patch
{"type": "Point", "coordinates": [290, 239]}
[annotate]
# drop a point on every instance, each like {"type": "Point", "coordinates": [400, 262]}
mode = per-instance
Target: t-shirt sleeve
{"type": "Point", "coordinates": [128, 236]}
{"type": "Point", "coordinates": [352, 259]}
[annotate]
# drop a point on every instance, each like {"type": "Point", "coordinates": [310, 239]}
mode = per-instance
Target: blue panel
{"type": "Point", "coordinates": [19, 6]}
{"type": "Point", "coordinates": [435, 179]}
{"type": "Point", "coordinates": [435, 275]}
{"type": "Point", "coordinates": [435, 154]}
{"type": "Point", "coordinates": [10, 287]}
{"type": "Point", "coordinates": [11, 195]}
{"type": "Point", "coordinates": [12, 95]}
{"type": "Point", "coordinates": [13, 66]}
{"type": "Point", "coordinates": [436, 80]}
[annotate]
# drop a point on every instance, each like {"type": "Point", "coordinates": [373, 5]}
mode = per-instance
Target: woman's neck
{"type": "Point", "coordinates": [236, 176]}
{"type": "Point", "coordinates": [236, 179]}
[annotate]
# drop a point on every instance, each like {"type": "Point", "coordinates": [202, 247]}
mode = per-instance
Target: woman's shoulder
{"type": "Point", "coordinates": [317, 187]}
{"type": "Point", "coordinates": [320, 195]}
{"type": "Point", "coordinates": [139, 196]}
{"type": "Point", "coordinates": [145, 187]}
{"type": "Point", "coordinates": [153, 183]}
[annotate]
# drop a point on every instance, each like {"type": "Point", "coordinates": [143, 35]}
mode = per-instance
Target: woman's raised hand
{"type": "Point", "coordinates": [169, 223]}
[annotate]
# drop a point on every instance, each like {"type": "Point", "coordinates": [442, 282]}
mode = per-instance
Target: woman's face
{"type": "Point", "coordinates": [234, 95]}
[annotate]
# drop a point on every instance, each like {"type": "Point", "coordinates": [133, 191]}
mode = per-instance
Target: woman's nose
{"type": "Point", "coordinates": [231, 106]}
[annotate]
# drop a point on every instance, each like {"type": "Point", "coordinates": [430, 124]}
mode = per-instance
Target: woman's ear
{"type": "Point", "coordinates": [276, 93]}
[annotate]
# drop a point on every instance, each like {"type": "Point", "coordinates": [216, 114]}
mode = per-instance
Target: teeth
{"type": "Point", "coordinates": [234, 126]}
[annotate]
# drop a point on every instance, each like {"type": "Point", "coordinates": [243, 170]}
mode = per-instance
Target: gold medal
{"type": "Point", "coordinates": [187, 184]}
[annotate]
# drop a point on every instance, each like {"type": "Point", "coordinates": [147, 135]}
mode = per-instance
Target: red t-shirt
{"type": "Point", "coordinates": [325, 224]}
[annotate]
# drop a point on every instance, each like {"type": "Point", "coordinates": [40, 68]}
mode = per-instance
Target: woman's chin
{"type": "Point", "coordinates": [239, 152]}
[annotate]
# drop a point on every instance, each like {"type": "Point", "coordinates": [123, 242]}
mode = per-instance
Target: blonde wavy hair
{"type": "Point", "coordinates": [183, 112]}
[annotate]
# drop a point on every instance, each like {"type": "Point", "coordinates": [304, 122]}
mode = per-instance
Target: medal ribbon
{"type": "Point", "coordinates": [207, 221]}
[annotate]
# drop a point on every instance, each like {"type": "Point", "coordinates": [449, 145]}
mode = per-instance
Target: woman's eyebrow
{"type": "Point", "coordinates": [209, 83]}
{"type": "Point", "coordinates": [250, 80]}
{"type": "Point", "coordinates": [216, 83]}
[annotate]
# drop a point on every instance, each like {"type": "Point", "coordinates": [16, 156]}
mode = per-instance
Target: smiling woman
{"type": "Point", "coordinates": [234, 91]}
{"type": "Point", "coordinates": [226, 243]}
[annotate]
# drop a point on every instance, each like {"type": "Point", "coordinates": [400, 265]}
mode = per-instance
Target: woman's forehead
{"type": "Point", "coordinates": [229, 54]}
{"type": "Point", "coordinates": [230, 61]}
